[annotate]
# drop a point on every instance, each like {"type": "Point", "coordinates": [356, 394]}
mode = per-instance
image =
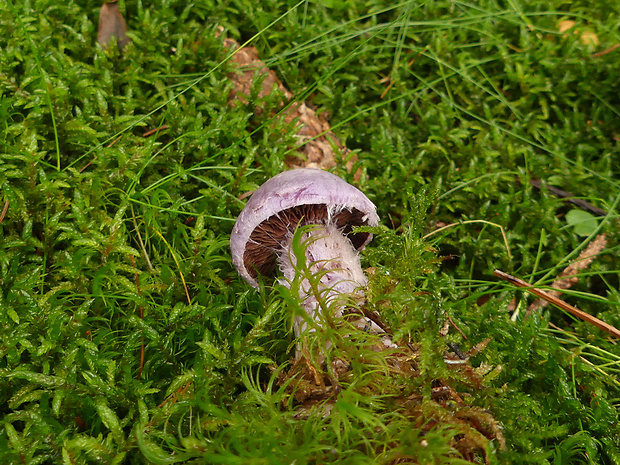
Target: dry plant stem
{"type": "Point", "coordinates": [317, 140]}
{"type": "Point", "coordinates": [568, 277]}
{"type": "Point", "coordinates": [180, 392]}
{"type": "Point", "coordinates": [454, 325]}
{"type": "Point", "coordinates": [569, 197]}
{"type": "Point", "coordinates": [4, 211]}
{"type": "Point", "coordinates": [605, 52]}
{"type": "Point", "coordinates": [559, 303]}
{"type": "Point", "coordinates": [155, 130]}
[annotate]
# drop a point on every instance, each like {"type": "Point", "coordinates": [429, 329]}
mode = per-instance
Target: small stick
{"type": "Point", "coordinates": [605, 52]}
{"type": "Point", "coordinates": [176, 394]}
{"type": "Point", "coordinates": [559, 303]}
{"type": "Point", "coordinates": [569, 197]}
{"type": "Point", "coordinates": [153, 131]}
{"type": "Point", "coordinates": [4, 211]}
{"type": "Point", "coordinates": [387, 89]}
{"type": "Point", "coordinates": [457, 328]}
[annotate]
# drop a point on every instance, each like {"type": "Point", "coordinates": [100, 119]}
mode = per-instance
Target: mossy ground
{"type": "Point", "coordinates": [126, 335]}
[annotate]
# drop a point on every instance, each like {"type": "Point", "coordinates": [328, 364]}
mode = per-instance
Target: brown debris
{"type": "Point", "coordinates": [316, 139]}
{"type": "Point", "coordinates": [314, 390]}
{"type": "Point", "coordinates": [4, 211]}
{"type": "Point", "coordinates": [569, 197]}
{"type": "Point", "coordinates": [568, 278]}
{"type": "Point", "coordinates": [606, 51]}
{"type": "Point", "coordinates": [559, 303]}
{"type": "Point", "coordinates": [155, 130]}
{"type": "Point", "coordinates": [112, 25]}
{"type": "Point", "coordinates": [246, 58]}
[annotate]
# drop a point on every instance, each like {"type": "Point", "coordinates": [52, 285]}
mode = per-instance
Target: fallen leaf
{"type": "Point", "coordinates": [319, 146]}
{"type": "Point", "coordinates": [589, 38]}
{"type": "Point", "coordinates": [565, 25]}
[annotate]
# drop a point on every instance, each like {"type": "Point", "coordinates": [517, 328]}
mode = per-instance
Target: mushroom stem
{"type": "Point", "coordinates": [329, 276]}
{"type": "Point", "coordinates": [333, 261]}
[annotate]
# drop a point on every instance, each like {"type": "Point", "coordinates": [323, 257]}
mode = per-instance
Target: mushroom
{"type": "Point", "coordinates": [263, 234]}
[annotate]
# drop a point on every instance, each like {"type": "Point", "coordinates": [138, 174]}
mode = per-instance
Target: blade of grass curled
{"type": "Point", "coordinates": [432, 233]}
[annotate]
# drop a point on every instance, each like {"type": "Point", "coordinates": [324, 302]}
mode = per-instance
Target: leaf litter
{"type": "Point", "coordinates": [320, 148]}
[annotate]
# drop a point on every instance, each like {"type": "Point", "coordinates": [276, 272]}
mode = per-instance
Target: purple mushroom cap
{"type": "Point", "coordinates": [301, 196]}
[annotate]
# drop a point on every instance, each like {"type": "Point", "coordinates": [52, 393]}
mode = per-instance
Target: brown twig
{"type": "Point", "coordinates": [176, 394]}
{"type": "Point", "coordinates": [387, 89]}
{"type": "Point", "coordinates": [569, 197]}
{"type": "Point", "coordinates": [559, 303]}
{"type": "Point", "coordinates": [156, 130]}
{"type": "Point", "coordinates": [4, 211]}
{"type": "Point", "coordinates": [568, 278]}
{"type": "Point", "coordinates": [605, 52]}
{"type": "Point", "coordinates": [454, 325]}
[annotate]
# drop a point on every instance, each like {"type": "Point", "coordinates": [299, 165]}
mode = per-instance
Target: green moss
{"type": "Point", "coordinates": [126, 336]}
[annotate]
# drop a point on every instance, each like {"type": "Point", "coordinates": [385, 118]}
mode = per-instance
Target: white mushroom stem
{"type": "Point", "coordinates": [331, 258]}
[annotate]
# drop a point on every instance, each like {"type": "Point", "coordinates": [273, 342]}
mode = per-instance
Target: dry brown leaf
{"type": "Point", "coordinates": [112, 25]}
{"type": "Point", "coordinates": [317, 141]}
{"type": "Point", "coordinates": [565, 25]}
{"type": "Point", "coordinates": [4, 211]}
{"type": "Point", "coordinates": [589, 38]}
{"type": "Point", "coordinates": [586, 37]}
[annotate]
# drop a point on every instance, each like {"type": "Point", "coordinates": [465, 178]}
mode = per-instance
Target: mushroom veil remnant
{"type": "Point", "coordinates": [261, 239]}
